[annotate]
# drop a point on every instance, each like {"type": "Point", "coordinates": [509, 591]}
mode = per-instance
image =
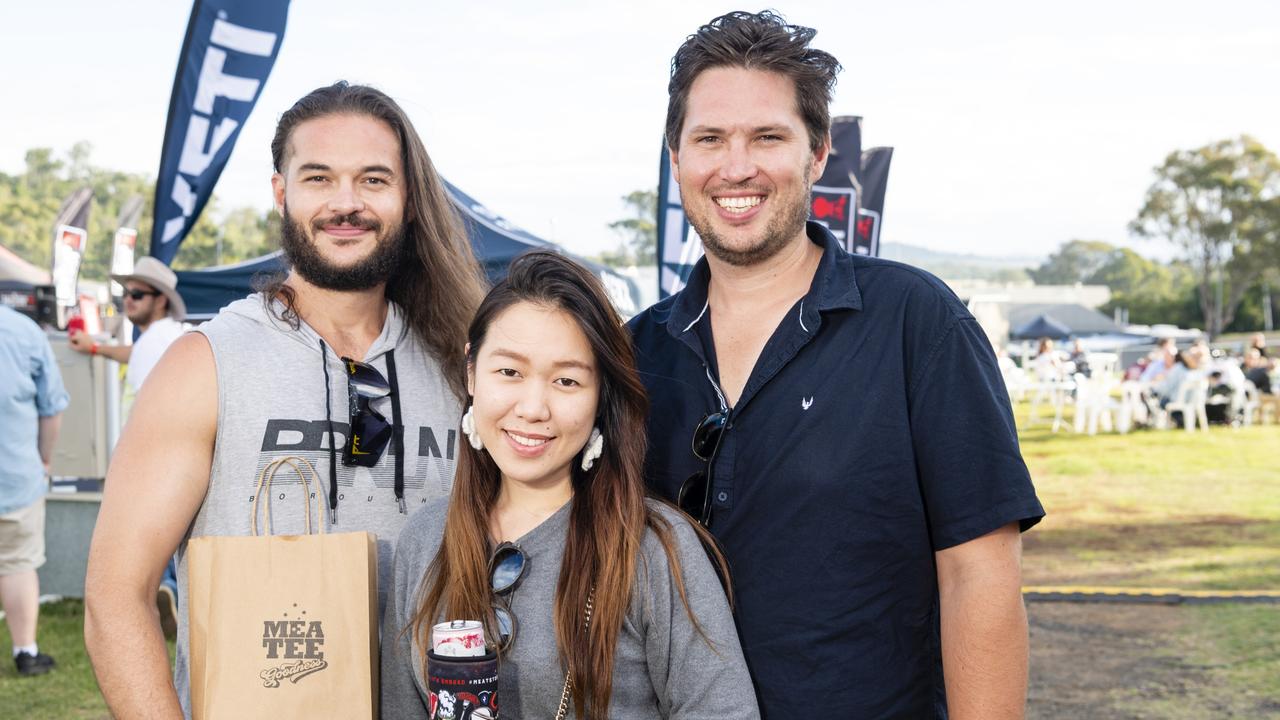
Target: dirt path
{"type": "Point", "coordinates": [1124, 662]}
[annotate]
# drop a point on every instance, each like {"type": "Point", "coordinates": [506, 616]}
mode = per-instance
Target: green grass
{"type": "Point", "coordinates": [1222, 647]}
{"type": "Point", "coordinates": [1168, 509]}
{"type": "Point", "coordinates": [1197, 511]}
{"type": "Point", "coordinates": [1242, 645]}
{"type": "Point", "coordinates": [69, 690]}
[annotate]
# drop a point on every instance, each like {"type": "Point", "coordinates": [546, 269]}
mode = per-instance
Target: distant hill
{"type": "Point", "coordinates": [957, 266]}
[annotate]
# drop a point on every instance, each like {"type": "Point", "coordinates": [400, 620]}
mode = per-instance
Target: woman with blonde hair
{"type": "Point", "coordinates": [589, 589]}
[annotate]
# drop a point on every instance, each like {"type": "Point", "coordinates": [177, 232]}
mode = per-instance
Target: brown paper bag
{"type": "Point", "coordinates": [284, 626]}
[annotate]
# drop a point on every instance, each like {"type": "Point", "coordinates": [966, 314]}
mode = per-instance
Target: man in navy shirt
{"type": "Point", "coordinates": [838, 422]}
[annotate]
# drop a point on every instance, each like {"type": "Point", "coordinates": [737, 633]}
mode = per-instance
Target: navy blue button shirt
{"type": "Point", "coordinates": [873, 431]}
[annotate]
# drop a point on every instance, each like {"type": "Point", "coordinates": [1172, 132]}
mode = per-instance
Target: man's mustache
{"type": "Point", "coordinates": [352, 219]}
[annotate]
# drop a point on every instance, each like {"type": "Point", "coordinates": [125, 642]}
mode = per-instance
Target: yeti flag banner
{"type": "Point", "coordinates": [679, 246]}
{"type": "Point", "coordinates": [230, 49]}
{"type": "Point", "coordinates": [834, 199]}
{"type": "Point", "coordinates": [875, 182]}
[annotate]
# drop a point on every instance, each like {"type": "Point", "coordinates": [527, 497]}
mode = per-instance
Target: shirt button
{"type": "Point", "coordinates": [722, 496]}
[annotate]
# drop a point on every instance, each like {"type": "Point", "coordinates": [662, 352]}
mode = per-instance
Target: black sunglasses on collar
{"type": "Point", "coordinates": [370, 431]}
{"type": "Point", "coordinates": [695, 494]}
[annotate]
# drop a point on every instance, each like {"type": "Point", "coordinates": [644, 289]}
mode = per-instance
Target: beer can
{"type": "Point", "coordinates": [458, 638]}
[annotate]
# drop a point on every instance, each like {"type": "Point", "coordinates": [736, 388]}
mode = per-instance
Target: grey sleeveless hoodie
{"type": "Point", "coordinates": [271, 403]}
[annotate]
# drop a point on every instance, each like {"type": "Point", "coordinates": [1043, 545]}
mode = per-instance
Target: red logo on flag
{"type": "Point", "coordinates": [865, 225]}
{"type": "Point", "coordinates": [826, 209]}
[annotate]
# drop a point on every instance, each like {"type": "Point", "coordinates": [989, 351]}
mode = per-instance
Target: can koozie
{"type": "Point", "coordinates": [463, 688]}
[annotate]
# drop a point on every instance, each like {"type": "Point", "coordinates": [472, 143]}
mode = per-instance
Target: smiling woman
{"type": "Point", "coordinates": [535, 395]}
{"type": "Point", "coordinates": [617, 606]}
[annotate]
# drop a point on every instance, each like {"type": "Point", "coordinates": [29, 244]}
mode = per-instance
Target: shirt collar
{"type": "Point", "coordinates": [834, 286]}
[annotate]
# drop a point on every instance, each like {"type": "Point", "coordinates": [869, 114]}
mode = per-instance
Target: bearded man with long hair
{"type": "Point", "coordinates": [348, 361]}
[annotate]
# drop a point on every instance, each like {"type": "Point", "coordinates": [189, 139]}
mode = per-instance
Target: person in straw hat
{"type": "Point", "coordinates": [153, 305]}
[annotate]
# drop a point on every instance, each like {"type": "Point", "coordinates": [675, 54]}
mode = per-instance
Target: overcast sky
{"type": "Point", "coordinates": [1016, 126]}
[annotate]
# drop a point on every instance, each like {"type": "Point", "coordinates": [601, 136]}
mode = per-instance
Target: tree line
{"type": "Point", "coordinates": [29, 203]}
{"type": "Point", "coordinates": [1219, 206]}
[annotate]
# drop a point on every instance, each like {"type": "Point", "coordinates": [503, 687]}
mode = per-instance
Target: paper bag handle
{"type": "Point", "coordinates": [264, 487]}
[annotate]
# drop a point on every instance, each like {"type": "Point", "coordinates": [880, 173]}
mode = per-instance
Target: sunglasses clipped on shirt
{"type": "Point", "coordinates": [370, 430]}
{"type": "Point", "coordinates": [695, 494]}
{"type": "Point", "coordinates": [507, 568]}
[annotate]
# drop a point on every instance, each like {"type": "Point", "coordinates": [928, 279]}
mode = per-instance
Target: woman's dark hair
{"type": "Point", "coordinates": [442, 283]}
{"type": "Point", "coordinates": [756, 41]}
{"type": "Point", "coordinates": [609, 516]}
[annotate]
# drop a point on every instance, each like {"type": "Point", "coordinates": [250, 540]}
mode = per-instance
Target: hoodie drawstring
{"type": "Point", "coordinates": [397, 430]}
{"type": "Point", "coordinates": [333, 440]}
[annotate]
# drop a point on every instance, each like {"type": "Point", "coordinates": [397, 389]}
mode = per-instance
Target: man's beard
{"type": "Point", "coordinates": [305, 258]}
{"type": "Point", "coordinates": [139, 318]}
{"type": "Point", "coordinates": [786, 223]}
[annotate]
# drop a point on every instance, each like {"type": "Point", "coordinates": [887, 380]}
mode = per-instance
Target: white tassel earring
{"type": "Point", "coordinates": [469, 427]}
{"type": "Point", "coordinates": [593, 450]}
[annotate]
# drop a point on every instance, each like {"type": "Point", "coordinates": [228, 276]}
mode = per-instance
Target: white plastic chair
{"type": "Point", "coordinates": [1102, 363]}
{"type": "Point", "coordinates": [1094, 405]}
{"type": "Point", "coordinates": [1251, 405]}
{"type": "Point", "coordinates": [1056, 393]}
{"type": "Point", "coordinates": [1189, 400]}
{"type": "Point", "coordinates": [1133, 409]}
{"type": "Point", "coordinates": [1016, 380]}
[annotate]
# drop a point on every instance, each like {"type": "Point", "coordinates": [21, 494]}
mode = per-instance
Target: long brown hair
{"type": "Point", "coordinates": [438, 290]}
{"type": "Point", "coordinates": [609, 516]}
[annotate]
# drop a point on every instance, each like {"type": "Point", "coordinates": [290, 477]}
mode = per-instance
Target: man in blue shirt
{"type": "Point", "coordinates": [838, 422]}
{"type": "Point", "coordinates": [31, 402]}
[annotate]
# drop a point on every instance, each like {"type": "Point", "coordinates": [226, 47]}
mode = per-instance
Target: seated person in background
{"type": "Point", "coordinates": [1201, 346]}
{"type": "Point", "coordinates": [1080, 359]}
{"type": "Point", "coordinates": [1257, 370]}
{"type": "Point", "coordinates": [1218, 400]}
{"type": "Point", "coordinates": [1006, 363]}
{"type": "Point", "coordinates": [1134, 371]}
{"type": "Point", "coordinates": [1047, 364]}
{"type": "Point", "coordinates": [1259, 342]}
{"type": "Point", "coordinates": [1184, 369]}
{"type": "Point", "coordinates": [1162, 361]}
{"type": "Point", "coordinates": [1228, 370]}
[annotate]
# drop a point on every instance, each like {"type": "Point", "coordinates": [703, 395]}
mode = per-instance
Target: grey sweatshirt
{"type": "Point", "coordinates": [271, 404]}
{"type": "Point", "coordinates": [663, 668]}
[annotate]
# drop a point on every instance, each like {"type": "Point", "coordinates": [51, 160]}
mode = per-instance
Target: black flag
{"type": "Point", "coordinates": [836, 196]}
{"type": "Point", "coordinates": [875, 180]}
{"type": "Point", "coordinates": [70, 240]}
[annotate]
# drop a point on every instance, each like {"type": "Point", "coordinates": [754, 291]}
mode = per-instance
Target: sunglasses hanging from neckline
{"type": "Point", "coordinates": [370, 431]}
{"type": "Point", "coordinates": [507, 568]}
{"type": "Point", "coordinates": [695, 493]}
